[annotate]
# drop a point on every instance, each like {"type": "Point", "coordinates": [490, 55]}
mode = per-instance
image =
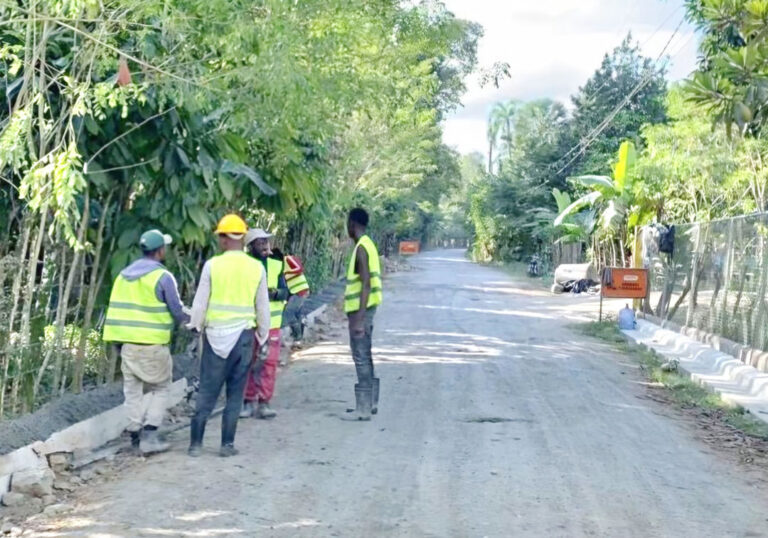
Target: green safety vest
{"type": "Point", "coordinates": [274, 270]}
{"type": "Point", "coordinates": [355, 286]}
{"type": "Point", "coordinates": [235, 277]}
{"type": "Point", "coordinates": [135, 315]}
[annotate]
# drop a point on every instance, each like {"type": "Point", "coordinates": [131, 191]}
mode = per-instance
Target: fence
{"type": "Point", "coordinates": [566, 253]}
{"type": "Point", "coordinates": [716, 278]}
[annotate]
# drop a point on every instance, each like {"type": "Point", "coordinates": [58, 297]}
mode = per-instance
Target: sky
{"type": "Point", "coordinates": [554, 46]}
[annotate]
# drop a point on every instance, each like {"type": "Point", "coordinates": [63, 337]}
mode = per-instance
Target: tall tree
{"type": "Point", "coordinates": [503, 118]}
{"type": "Point", "coordinates": [623, 73]}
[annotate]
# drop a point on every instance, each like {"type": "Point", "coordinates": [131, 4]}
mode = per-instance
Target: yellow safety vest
{"type": "Point", "coordinates": [235, 277]}
{"type": "Point", "coordinates": [274, 270]}
{"type": "Point", "coordinates": [297, 283]}
{"type": "Point", "coordinates": [355, 285]}
{"type": "Point", "coordinates": [135, 315]}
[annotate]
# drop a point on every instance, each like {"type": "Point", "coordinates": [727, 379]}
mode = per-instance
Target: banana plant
{"type": "Point", "coordinates": [574, 227]}
{"type": "Point", "coordinates": [610, 202]}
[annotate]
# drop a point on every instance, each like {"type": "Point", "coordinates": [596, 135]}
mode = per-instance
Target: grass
{"type": "Point", "coordinates": [681, 390]}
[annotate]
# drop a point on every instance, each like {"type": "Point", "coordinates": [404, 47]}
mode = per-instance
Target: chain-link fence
{"type": "Point", "coordinates": [715, 279]}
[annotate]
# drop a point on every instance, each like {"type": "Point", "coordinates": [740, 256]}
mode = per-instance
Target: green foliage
{"type": "Point", "coordinates": [693, 172]}
{"type": "Point", "coordinates": [615, 197]}
{"type": "Point", "coordinates": [287, 113]}
{"type": "Point", "coordinates": [534, 147]}
{"type": "Point", "coordinates": [732, 79]}
{"type": "Point", "coordinates": [621, 72]}
{"type": "Point", "coordinates": [511, 211]}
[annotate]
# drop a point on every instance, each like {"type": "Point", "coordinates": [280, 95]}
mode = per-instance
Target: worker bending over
{"type": "Point", "coordinates": [262, 378]}
{"type": "Point", "coordinates": [142, 309]}
{"type": "Point", "coordinates": [231, 301]}
{"type": "Point", "coordinates": [362, 296]}
{"type": "Point", "coordinates": [299, 290]}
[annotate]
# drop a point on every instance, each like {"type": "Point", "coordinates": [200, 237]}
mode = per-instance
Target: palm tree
{"type": "Point", "coordinates": [501, 126]}
{"type": "Point", "coordinates": [504, 114]}
{"type": "Point", "coordinates": [493, 135]}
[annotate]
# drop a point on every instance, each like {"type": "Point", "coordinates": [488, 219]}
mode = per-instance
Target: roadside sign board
{"type": "Point", "coordinates": [624, 283]}
{"type": "Point", "coordinates": [408, 248]}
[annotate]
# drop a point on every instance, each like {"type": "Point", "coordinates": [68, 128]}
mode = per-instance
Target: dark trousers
{"type": "Point", "coordinates": [361, 351]}
{"type": "Point", "coordinates": [292, 316]}
{"type": "Point", "coordinates": [216, 372]}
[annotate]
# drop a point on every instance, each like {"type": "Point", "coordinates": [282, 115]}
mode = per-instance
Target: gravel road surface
{"type": "Point", "coordinates": [496, 420]}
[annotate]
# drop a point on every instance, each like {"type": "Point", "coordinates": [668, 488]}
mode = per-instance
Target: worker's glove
{"type": "Point", "coordinates": [194, 344]}
{"type": "Point", "coordinates": [263, 352]}
{"type": "Point", "coordinates": [193, 386]}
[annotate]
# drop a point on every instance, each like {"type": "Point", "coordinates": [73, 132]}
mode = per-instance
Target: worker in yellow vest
{"type": "Point", "coordinates": [298, 287]}
{"type": "Point", "coordinates": [261, 380]}
{"type": "Point", "coordinates": [362, 297]}
{"type": "Point", "coordinates": [142, 309]}
{"type": "Point", "coordinates": [232, 307]}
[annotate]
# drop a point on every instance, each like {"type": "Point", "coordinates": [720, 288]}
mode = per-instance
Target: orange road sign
{"type": "Point", "coordinates": [409, 247]}
{"type": "Point", "coordinates": [624, 283]}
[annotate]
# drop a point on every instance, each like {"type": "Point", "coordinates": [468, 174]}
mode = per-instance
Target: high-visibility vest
{"type": "Point", "coordinates": [355, 285]}
{"type": "Point", "coordinates": [135, 315]}
{"type": "Point", "coordinates": [235, 277]}
{"type": "Point", "coordinates": [274, 270]}
{"type": "Point", "coordinates": [294, 276]}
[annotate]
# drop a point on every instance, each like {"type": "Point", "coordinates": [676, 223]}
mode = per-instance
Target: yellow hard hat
{"type": "Point", "coordinates": [231, 224]}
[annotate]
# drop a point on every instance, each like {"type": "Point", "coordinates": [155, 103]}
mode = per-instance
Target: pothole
{"type": "Point", "coordinates": [495, 420]}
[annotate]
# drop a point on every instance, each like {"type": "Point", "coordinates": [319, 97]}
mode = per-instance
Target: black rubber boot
{"type": "Point", "coordinates": [135, 440]}
{"type": "Point", "coordinates": [229, 427]}
{"type": "Point", "coordinates": [196, 432]}
{"type": "Point", "coordinates": [375, 396]}
{"type": "Point", "coordinates": [363, 401]}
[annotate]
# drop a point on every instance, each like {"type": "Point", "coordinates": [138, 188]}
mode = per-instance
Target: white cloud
{"type": "Point", "coordinates": [553, 46]}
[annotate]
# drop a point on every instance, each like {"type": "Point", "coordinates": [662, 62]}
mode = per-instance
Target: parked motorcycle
{"type": "Point", "coordinates": [533, 266]}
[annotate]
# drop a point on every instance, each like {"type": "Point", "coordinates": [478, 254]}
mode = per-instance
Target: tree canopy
{"type": "Point", "coordinates": [121, 116]}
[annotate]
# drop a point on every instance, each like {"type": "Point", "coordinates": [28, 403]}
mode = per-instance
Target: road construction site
{"type": "Point", "coordinates": [497, 418]}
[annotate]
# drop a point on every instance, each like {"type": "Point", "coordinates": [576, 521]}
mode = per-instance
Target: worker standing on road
{"type": "Point", "coordinates": [361, 298]}
{"type": "Point", "coordinates": [261, 381]}
{"type": "Point", "coordinates": [299, 289]}
{"type": "Point", "coordinates": [231, 300]}
{"type": "Point", "coordinates": [142, 308]}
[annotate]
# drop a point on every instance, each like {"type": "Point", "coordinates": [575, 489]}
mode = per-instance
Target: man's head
{"type": "Point", "coordinates": [152, 244]}
{"type": "Point", "coordinates": [257, 241]}
{"type": "Point", "coordinates": [231, 231]}
{"type": "Point", "coordinates": [357, 223]}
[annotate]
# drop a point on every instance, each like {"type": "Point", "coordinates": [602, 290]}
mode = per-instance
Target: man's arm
{"type": "Point", "coordinates": [361, 264]}
{"type": "Point", "coordinates": [263, 316]}
{"type": "Point", "coordinates": [357, 319]}
{"type": "Point", "coordinates": [200, 303]}
{"type": "Point", "coordinates": [167, 291]}
{"type": "Point", "coordinates": [282, 292]}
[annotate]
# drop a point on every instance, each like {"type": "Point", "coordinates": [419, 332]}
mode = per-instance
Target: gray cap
{"type": "Point", "coordinates": [256, 233]}
{"type": "Point", "coordinates": [154, 239]}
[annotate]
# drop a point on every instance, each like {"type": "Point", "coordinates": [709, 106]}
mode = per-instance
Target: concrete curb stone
{"type": "Point", "coordinates": [736, 383]}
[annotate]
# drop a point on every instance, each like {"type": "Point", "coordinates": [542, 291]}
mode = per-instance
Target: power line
{"type": "Point", "coordinates": [597, 131]}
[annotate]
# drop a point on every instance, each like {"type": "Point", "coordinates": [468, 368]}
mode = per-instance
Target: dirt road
{"type": "Point", "coordinates": [496, 420]}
